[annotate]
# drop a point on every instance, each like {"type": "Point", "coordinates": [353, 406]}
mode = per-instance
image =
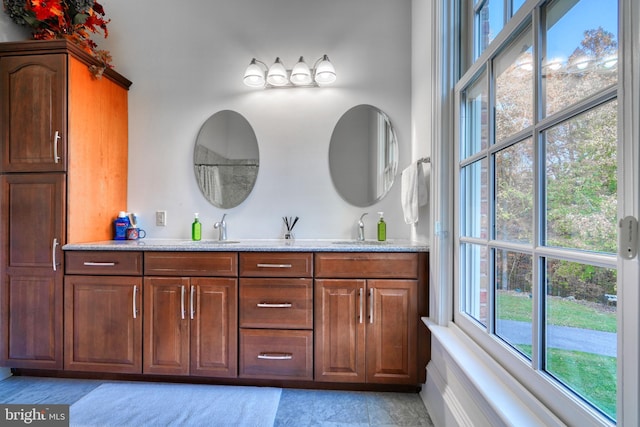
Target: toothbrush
{"type": "Point", "coordinates": [134, 219]}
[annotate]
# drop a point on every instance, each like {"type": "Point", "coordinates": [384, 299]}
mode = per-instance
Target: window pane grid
{"type": "Point", "coordinates": [552, 192]}
{"type": "Point", "coordinates": [513, 299]}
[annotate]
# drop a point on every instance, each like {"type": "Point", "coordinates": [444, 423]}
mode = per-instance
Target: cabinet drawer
{"type": "Point", "coordinates": [367, 265]}
{"type": "Point", "coordinates": [103, 263]}
{"type": "Point", "coordinates": [276, 303]}
{"type": "Point", "coordinates": [276, 264]}
{"type": "Point", "coordinates": [220, 264]}
{"type": "Point", "coordinates": [276, 354]}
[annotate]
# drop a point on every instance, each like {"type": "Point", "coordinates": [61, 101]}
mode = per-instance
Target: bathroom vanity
{"type": "Point", "coordinates": [311, 313]}
{"type": "Point", "coordinates": [319, 312]}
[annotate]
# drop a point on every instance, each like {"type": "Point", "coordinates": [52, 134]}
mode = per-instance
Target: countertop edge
{"type": "Point", "coordinates": [268, 245]}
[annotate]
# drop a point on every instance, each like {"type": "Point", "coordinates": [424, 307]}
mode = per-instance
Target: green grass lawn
{"type": "Point", "coordinates": [590, 375]}
{"type": "Point", "coordinates": [563, 312]}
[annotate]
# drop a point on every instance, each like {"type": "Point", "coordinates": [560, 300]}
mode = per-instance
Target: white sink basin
{"type": "Point", "coordinates": [359, 242]}
{"type": "Point", "coordinates": [210, 242]}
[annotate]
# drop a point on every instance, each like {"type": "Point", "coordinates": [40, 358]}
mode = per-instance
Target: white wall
{"type": "Point", "coordinates": [9, 31]}
{"type": "Point", "coordinates": [423, 100]}
{"type": "Point", "coordinates": [186, 61]}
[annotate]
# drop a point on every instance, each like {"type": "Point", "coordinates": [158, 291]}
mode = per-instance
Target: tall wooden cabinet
{"type": "Point", "coordinates": [63, 166]}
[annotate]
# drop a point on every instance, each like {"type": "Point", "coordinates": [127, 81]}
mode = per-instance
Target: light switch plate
{"type": "Point", "coordinates": [161, 218]}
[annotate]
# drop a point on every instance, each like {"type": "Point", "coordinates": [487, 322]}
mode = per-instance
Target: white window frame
{"type": "Point", "coordinates": [444, 265]}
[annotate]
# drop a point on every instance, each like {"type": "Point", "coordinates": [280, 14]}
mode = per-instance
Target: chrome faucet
{"type": "Point", "coordinates": [361, 228]}
{"type": "Point", "coordinates": [222, 234]}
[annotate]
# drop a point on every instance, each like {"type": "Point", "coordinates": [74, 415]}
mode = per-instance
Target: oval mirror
{"type": "Point", "coordinates": [226, 159]}
{"type": "Point", "coordinates": [363, 155]}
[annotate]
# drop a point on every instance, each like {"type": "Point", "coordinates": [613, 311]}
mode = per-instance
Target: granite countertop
{"type": "Point", "coordinates": [248, 245]}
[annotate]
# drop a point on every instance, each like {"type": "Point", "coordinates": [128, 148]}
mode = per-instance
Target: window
{"type": "Point", "coordinates": [537, 191]}
{"type": "Point", "coordinates": [488, 20]}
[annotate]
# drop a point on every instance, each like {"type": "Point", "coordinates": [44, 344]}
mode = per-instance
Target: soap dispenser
{"type": "Point", "coordinates": [382, 228]}
{"type": "Point", "coordinates": [196, 228]}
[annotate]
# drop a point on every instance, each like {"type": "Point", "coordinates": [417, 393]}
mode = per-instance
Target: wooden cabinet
{"type": "Point", "coordinates": [103, 312]}
{"type": "Point", "coordinates": [36, 93]}
{"type": "Point", "coordinates": [366, 328]}
{"type": "Point", "coordinates": [63, 145]}
{"type": "Point", "coordinates": [103, 324]}
{"type": "Point", "coordinates": [33, 225]}
{"type": "Point", "coordinates": [190, 323]}
{"type": "Point", "coordinates": [55, 116]}
{"type": "Point", "coordinates": [276, 315]}
{"type": "Point", "coordinates": [327, 317]}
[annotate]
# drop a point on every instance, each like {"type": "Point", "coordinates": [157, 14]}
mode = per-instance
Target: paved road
{"type": "Point", "coordinates": [562, 337]}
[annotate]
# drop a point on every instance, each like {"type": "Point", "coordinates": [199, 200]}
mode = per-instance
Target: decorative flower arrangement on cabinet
{"type": "Point", "coordinates": [74, 20]}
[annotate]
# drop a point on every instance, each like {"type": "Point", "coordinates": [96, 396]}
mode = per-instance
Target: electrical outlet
{"type": "Point", "coordinates": [161, 218]}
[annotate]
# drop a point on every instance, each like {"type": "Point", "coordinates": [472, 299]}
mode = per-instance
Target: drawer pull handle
{"type": "Point", "coordinates": [274, 305]}
{"type": "Point", "coordinates": [192, 307]}
{"type": "Point", "coordinates": [275, 356]}
{"type": "Point", "coordinates": [54, 245]}
{"type": "Point", "coordinates": [361, 294]}
{"type": "Point", "coordinates": [99, 264]}
{"type": "Point", "coordinates": [182, 313]}
{"type": "Point", "coordinates": [371, 304]}
{"type": "Point", "coordinates": [274, 266]}
{"type": "Point", "coordinates": [135, 305]}
{"type": "Point", "coordinates": [56, 138]}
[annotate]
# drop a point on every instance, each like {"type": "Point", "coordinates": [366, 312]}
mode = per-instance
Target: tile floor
{"type": "Point", "coordinates": [299, 408]}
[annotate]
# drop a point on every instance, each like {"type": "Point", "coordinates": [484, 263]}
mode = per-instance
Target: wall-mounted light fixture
{"type": "Point", "coordinates": [258, 74]}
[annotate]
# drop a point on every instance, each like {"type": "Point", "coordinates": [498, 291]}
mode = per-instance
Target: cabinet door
{"type": "Point", "coordinates": [340, 330]}
{"type": "Point", "coordinates": [103, 324]}
{"type": "Point", "coordinates": [166, 326]}
{"type": "Point", "coordinates": [32, 219]}
{"type": "Point", "coordinates": [392, 331]}
{"type": "Point", "coordinates": [213, 312]}
{"type": "Point", "coordinates": [33, 105]}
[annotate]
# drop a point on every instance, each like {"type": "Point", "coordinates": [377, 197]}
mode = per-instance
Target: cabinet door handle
{"type": "Point", "coordinates": [135, 301]}
{"type": "Point", "coordinates": [371, 304]}
{"type": "Point", "coordinates": [54, 245]}
{"type": "Point", "coordinates": [275, 265]}
{"type": "Point", "coordinates": [99, 264]}
{"type": "Point", "coordinates": [274, 305]}
{"type": "Point", "coordinates": [192, 307]}
{"type": "Point", "coordinates": [275, 356]}
{"type": "Point", "coordinates": [56, 137]}
{"type": "Point", "coordinates": [182, 302]}
{"type": "Point", "coordinates": [361, 315]}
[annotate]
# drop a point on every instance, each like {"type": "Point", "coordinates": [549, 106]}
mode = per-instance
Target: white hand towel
{"type": "Point", "coordinates": [409, 194]}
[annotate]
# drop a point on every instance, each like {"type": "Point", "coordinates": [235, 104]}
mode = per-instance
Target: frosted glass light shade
{"type": "Point", "coordinates": [325, 72]}
{"type": "Point", "coordinates": [610, 61]}
{"type": "Point", "coordinates": [260, 75]}
{"type": "Point", "coordinates": [301, 74]}
{"type": "Point", "coordinates": [277, 75]}
{"type": "Point", "coordinates": [254, 75]}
